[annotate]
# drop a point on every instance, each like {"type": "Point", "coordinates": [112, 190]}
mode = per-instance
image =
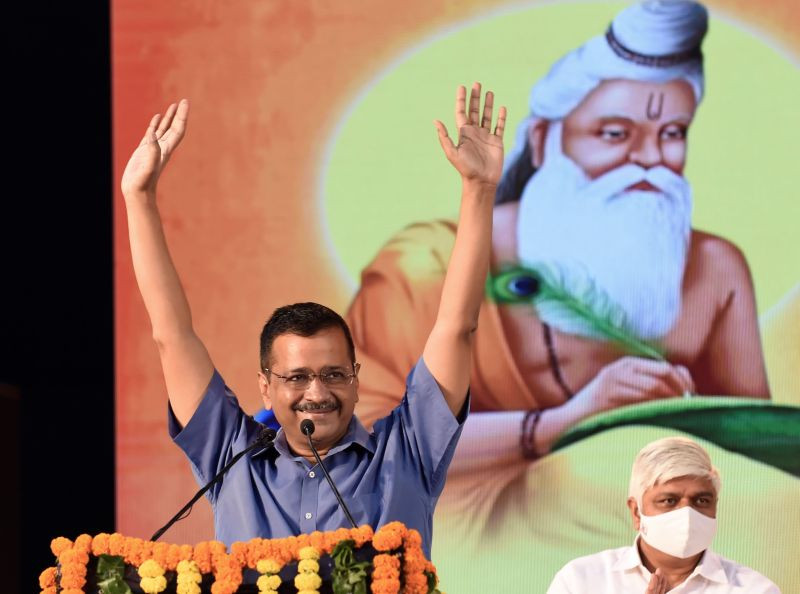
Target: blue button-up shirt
{"type": "Point", "coordinates": [395, 473]}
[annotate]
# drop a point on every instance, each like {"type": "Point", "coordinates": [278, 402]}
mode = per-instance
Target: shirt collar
{"type": "Point", "coordinates": [629, 559]}
{"type": "Point", "coordinates": [710, 566]}
{"type": "Point", "coordinates": [356, 434]}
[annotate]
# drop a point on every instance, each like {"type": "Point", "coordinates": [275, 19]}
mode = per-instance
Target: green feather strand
{"type": "Point", "coordinates": [583, 310]}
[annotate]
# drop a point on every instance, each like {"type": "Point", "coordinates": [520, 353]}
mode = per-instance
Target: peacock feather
{"type": "Point", "coordinates": [573, 306]}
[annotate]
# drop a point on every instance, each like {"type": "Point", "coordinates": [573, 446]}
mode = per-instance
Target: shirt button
{"type": "Point", "coordinates": [308, 515]}
{"type": "Point", "coordinates": [311, 474]}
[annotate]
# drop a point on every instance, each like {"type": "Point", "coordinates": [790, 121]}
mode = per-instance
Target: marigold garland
{"type": "Point", "coordinates": [307, 580]}
{"type": "Point", "coordinates": [152, 574]}
{"type": "Point", "coordinates": [188, 578]}
{"type": "Point", "coordinates": [401, 558]}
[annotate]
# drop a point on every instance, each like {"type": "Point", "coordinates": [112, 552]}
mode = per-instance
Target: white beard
{"type": "Point", "coordinates": [630, 246]}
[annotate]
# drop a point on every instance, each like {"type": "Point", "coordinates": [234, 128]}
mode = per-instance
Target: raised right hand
{"type": "Point", "coordinates": [630, 380]}
{"type": "Point", "coordinates": [149, 159]}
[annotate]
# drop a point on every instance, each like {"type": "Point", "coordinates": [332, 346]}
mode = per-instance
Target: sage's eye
{"type": "Point", "coordinates": [523, 285]}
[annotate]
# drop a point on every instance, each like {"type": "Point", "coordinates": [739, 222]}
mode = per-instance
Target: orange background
{"type": "Point", "coordinates": [268, 82]}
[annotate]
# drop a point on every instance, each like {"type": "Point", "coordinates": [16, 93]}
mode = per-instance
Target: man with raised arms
{"type": "Point", "coordinates": [308, 368]}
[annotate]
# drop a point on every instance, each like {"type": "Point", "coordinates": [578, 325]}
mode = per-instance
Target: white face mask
{"type": "Point", "coordinates": [681, 533]}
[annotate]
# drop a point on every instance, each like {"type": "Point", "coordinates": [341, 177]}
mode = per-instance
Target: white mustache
{"type": "Point", "coordinates": [617, 180]}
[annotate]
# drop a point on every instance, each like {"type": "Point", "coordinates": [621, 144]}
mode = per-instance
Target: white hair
{"type": "Point", "coordinates": [667, 459]}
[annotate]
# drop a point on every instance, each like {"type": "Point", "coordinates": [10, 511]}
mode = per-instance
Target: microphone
{"type": "Point", "coordinates": [307, 427]}
{"type": "Point", "coordinates": [265, 437]}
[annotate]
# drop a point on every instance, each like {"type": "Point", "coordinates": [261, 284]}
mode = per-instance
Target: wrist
{"type": "Point", "coordinates": [139, 196]}
{"type": "Point", "coordinates": [479, 185]}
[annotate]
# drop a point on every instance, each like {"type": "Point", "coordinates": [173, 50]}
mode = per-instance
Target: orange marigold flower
{"type": "Point", "coordinates": [202, 556]}
{"type": "Point", "coordinates": [134, 551]}
{"type": "Point", "coordinates": [362, 534]}
{"type": "Point", "coordinates": [49, 590]}
{"type": "Point", "coordinates": [83, 542]}
{"type": "Point", "coordinates": [173, 556]}
{"type": "Point", "coordinates": [186, 552]}
{"type": "Point", "coordinates": [412, 539]}
{"type": "Point", "coordinates": [416, 584]}
{"type": "Point", "coordinates": [71, 556]}
{"type": "Point", "coordinates": [59, 545]}
{"type": "Point", "coordinates": [387, 539]}
{"type": "Point", "coordinates": [100, 544]}
{"type": "Point", "coordinates": [72, 590]}
{"type": "Point", "coordinates": [239, 552]}
{"type": "Point", "coordinates": [385, 586]}
{"type": "Point", "coordinates": [116, 542]}
{"type": "Point", "coordinates": [47, 579]}
{"type": "Point", "coordinates": [160, 553]}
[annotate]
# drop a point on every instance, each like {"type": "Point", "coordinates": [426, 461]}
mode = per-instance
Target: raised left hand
{"type": "Point", "coordinates": [478, 156]}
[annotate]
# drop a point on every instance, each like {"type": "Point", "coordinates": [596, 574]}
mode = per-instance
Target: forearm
{"type": "Point", "coordinates": [489, 440]}
{"type": "Point", "coordinates": [462, 292]}
{"type": "Point", "coordinates": [494, 439]}
{"type": "Point", "coordinates": [449, 347]}
{"type": "Point", "coordinates": [156, 276]}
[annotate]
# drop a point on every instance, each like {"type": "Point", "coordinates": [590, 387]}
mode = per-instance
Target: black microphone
{"type": "Point", "coordinates": [265, 437]}
{"type": "Point", "coordinates": [307, 427]}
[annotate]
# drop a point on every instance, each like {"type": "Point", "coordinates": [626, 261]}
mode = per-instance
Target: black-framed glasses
{"type": "Point", "coordinates": [335, 378]}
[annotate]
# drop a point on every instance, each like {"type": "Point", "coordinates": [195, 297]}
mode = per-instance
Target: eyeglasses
{"type": "Point", "coordinates": [332, 379]}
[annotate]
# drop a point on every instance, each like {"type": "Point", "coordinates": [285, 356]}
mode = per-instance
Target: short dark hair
{"type": "Point", "coordinates": [302, 319]}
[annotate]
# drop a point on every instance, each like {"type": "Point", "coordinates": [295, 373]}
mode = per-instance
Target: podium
{"type": "Point", "coordinates": [344, 561]}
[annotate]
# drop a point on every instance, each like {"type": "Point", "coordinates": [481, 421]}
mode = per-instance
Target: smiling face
{"type": "Point", "coordinates": [628, 121]}
{"type": "Point", "coordinates": [330, 408]}
{"type": "Point", "coordinates": [694, 491]}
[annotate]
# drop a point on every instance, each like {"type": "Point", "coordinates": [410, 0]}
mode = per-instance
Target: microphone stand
{"type": "Point", "coordinates": [264, 439]}
{"type": "Point", "coordinates": [307, 427]}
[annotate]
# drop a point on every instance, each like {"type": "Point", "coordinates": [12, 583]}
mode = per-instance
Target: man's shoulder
{"type": "Point", "coordinates": [707, 247]}
{"type": "Point", "coordinates": [591, 564]}
{"type": "Point", "coordinates": [746, 577]}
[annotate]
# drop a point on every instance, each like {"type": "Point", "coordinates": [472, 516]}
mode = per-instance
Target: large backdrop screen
{"type": "Point", "coordinates": [311, 172]}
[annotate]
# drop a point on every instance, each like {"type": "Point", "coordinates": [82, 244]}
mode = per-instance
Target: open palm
{"type": "Point", "coordinates": [479, 153]}
{"type": "Point", "coordinates": [162, 137]}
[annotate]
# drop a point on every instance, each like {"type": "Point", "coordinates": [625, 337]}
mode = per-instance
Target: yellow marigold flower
{"type": "Point", "coordinates": [187, 566]}
{"type": "Point", "coordinates": [150, 569]}
{"type": "Point", "coordinates": [153, 585]}
{"type": "Point", "coordinates": [308, 592]}
{"type": "Point", "coordinates": [188, 588]}
{"type": "Point", "coordinates": [47, 579]}
{"type": "Point", "coordinates": [307, 581]}
{"type": "Point", "coordinates": [308, 553]}
{"type": "Point", "coordinates": [268, 566]}
{"type": "Point", "coordinates": [308, 566]}
{"type": "Point", "coordinates": [189, 577]}
{"type": "Point", "coordinates": [268, 582]}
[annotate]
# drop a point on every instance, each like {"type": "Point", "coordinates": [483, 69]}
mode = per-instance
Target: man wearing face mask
{"type": "Point", "coordinates": [673, 499]}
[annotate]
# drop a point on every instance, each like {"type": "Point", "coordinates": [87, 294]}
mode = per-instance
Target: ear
{"type": "Point", "coordinates": [537, 132]}
{"type": "Point", "coordinates": [357, 369]}
{"type": "Point", "coordinates": [634, 509]}
{"type": "Point", "coordinates": [264, 387]}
